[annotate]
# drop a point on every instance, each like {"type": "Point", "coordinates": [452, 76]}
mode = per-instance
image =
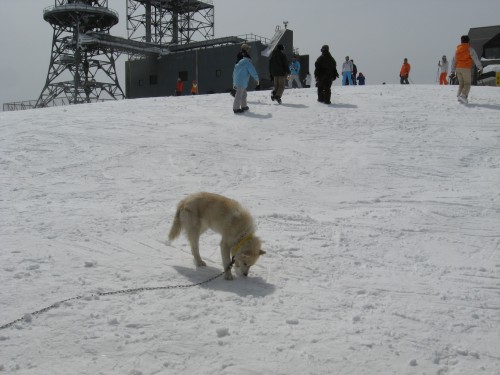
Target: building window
{"type": "Point", "coordinates": [183, 76]}
{"type": "Point", "coordinates": [141, 82]}
{"type": "Point", "coordinates": [492, 53]}
{"type": "Point", "coordinates": [153, 80]}
{"type": "Point", "coordinates": [218, 73]}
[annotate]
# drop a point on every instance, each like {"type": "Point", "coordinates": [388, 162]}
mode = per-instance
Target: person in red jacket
{"type": "Point", "coordinates": [405, 72]}
{"type": "Point", "coordinates": [461, 65]}
{"type": "Point", "coordinates": [179, 87]}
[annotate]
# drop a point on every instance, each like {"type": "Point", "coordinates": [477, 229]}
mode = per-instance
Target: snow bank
{"type": "Point", "coordinates": [379, 215]}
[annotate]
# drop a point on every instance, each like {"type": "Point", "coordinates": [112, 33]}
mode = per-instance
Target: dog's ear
{"type": "Point", "coordinates": [262, 252]}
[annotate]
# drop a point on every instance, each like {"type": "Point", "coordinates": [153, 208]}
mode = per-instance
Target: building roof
{"type": "Point", "coordinates": [479, 36]}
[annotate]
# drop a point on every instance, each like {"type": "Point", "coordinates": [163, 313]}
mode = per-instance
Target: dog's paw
{"type": "Point", "coordinates": [200, 263]}
{"type": "Point", "coordinates": [228, 276]}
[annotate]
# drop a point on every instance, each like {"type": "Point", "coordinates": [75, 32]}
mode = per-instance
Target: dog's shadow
{"type": "Point", "coordinates": [241, 285]}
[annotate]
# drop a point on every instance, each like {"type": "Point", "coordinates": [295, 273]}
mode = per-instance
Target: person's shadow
{"type": "Point", "coordinates": [340, 105]}
{"type": "Point", "coordinates": [487, 106]}
{"type": "Point", "coordinates": [294, 105]}
{"type": "Point", "coordinates": [256, 115]}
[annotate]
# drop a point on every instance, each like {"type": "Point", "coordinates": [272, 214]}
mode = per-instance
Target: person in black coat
{"type": "Point", "coordinates": [278, 69]}
{"type": "Point", "coordinates": [325, 73]}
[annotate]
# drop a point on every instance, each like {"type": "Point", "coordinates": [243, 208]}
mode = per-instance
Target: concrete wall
{"type": "Point", "coordinates": [212, 67]}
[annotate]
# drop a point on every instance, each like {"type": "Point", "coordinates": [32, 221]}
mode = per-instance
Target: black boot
{"type": "Point", "coordinates": [321, 97]}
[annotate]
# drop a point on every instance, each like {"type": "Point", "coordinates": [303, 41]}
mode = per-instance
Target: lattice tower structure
{"type": "Point", "coordinates": [80, 72]}
{"type": "Point", "coordinates": [170, 22]}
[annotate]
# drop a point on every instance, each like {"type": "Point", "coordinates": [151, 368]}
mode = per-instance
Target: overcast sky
{"type": "Point", "coordinates": [377, 34]}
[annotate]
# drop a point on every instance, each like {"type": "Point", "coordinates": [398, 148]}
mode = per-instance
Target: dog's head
{"type": "Point", "coordinates": [248, 255]}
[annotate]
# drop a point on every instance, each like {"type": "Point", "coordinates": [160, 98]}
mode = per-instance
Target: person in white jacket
{"type": "Point", "coordinates": [347, 71]}
{"type": "Point", "coordinates": [443, 68]}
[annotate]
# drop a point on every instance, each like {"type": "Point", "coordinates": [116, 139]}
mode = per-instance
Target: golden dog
{"type": "Point", "coordinates": [202, 211]}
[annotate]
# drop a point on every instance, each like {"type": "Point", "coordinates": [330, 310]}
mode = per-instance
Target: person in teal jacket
{"type": "Point", "coordinates": [294, 73]}
{"type": "Point", "coordinates": [241, 75]}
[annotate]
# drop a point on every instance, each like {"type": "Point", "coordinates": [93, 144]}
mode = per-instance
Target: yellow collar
{"type": "Point", "coordinates": [241, 243]}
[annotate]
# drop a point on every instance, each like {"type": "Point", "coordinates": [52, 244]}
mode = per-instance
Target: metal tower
{"type": "Point", "coordinates": [80, 71]}
{"type": "Point", "coordinates": [166, 22]}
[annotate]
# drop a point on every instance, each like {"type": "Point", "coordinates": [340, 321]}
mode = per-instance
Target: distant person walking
{"type": "Point", "coordinates": [242, 72]}
{"type": "Point", "coordinates": [354, 72]}
{"type": "Point", "coordinates": [347, 71]}
{"type": "Point", "coordinates": [443, 68]}
{"type": "Point", "coordinates": [194, 87]}
{"type": "Point", "coordinates": [308, 80]}
{"type": "Point", "coordinates": [325, 73]}
{"type": "Point", "coordinates": [294, 73]}
{"type": "Point", "coordinates": [179, 87]}
{"type": "Point", "coordinates": [244, 52]}
{"type": "Point", "coordinates": [404, 74]}
{"type": "Point", "coordinates": [361, 79]}
{"type": "Point", "coordinates": [278, 69]}
{"type": "Point", "coordinates": [461, 65]}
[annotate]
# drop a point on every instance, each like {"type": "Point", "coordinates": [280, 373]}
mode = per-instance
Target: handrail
{"type": "Point", "coordinates": [78, 6]}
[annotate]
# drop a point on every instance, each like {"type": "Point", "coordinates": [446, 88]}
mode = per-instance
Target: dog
{"type": "Point", "coordinates": [202, 211]}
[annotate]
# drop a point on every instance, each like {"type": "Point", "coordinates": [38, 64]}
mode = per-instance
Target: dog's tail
{"type": "Point", "coordinates": [176, 226]}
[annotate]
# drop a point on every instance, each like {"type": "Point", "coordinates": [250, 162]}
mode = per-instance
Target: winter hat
{"type": "Point", "coordinates": [245, 47]}
{"type": "Point", "coordinates": [465, 39]}
{"type": "Point", "coordinates": [281, 47]}
{"type": "Point", "coordinates": [325, 48]}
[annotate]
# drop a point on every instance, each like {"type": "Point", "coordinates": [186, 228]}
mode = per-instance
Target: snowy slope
{"type": "Point", "coordinates": [379, 214]}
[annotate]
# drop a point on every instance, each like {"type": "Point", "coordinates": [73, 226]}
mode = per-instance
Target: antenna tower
{"type": "Point", "coordinates": [166, 22]}
{"type": "Point", "coordinates": [76, 66]}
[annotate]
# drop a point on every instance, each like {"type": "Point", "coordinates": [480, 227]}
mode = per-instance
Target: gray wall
{"type": "Point", "coordinates": [212, 67]}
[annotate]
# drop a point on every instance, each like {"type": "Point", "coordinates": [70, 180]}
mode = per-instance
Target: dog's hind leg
{"type": "Point", "coordinates": [192, 226]}
{"type": "Point", "coordinates": [194, 238]}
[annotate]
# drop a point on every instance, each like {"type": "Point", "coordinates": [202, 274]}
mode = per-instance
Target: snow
{"type": "Point", "coordinates": [379, 214]}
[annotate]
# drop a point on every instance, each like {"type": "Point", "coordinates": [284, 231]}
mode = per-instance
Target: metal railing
{"type": "Point", "coordinates": [255, 38]}
{"type": "Point", "coordinates": [19, 106]}
{"type": "Point", "coordinates": [78, 7]}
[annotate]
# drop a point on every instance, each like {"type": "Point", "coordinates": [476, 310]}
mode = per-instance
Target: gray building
{"type": "Point", "coordinates": [209, 62]}
{"type": "Point", "coordinates": [486, 43]}
{"type": "Point", "coordinates": [484, 40]}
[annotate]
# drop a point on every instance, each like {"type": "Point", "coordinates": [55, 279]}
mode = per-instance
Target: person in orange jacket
{"type": "Point", "coordinates": [194, 88]}
{"type": "Point", "coordinates": [461, 65]}
{"type": "Point", "coordinates": [179, 86]}
{"type": "Point", "coordinates": [405, 72]}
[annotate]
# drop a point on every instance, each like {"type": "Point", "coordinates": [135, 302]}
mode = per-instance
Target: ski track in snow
{"type": "Point", "coordinates": [379, 214]}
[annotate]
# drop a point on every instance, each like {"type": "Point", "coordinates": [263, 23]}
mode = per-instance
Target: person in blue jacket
{"type": "Point", "coordinates": [241, 75]}
{"type": "Point", "coordinates": [361, 79]}
{"type": "Point", "coordinates": [294, 73]}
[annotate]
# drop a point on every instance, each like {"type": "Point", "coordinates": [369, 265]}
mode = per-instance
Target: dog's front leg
{"type": "Point", "coordinates": [226, 260]}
